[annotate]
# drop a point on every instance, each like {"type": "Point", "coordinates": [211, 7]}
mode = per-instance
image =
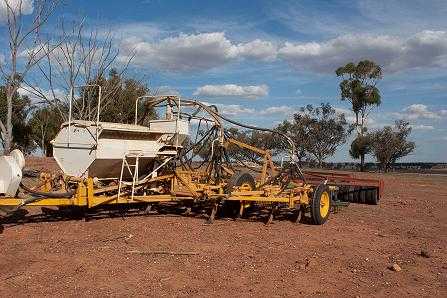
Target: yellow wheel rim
{"type": "Point", "coordinates": [245, 187]}
{"type": "Point", "coordinates": [324, 204]}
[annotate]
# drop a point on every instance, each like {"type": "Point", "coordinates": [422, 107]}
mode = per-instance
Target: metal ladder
{"type": "Point", "coordinates": [131, 154]}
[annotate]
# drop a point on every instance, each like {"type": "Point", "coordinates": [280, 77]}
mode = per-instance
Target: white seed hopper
{"type": "Point", "coordinates": [91, 149]}
{"type": "Point", "coordinates": [97, 149]}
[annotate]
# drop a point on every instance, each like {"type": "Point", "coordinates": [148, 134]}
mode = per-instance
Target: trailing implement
{"type": "Point", "coordinates": [188, 158]}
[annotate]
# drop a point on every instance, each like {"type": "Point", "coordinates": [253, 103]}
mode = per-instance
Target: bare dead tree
{"type": "Point", "coordinates": [82, 57]}
{"type": "Point", "coordinates": [24, 52]}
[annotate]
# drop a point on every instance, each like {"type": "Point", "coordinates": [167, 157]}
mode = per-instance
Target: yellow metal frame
{"type": "Point", "coordinates": [183, 185]}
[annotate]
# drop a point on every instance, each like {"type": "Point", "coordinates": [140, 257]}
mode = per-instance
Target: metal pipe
{"type": "Point", "coordinates": [53, 195]}
{"type": "Point", "coordinates": [69, 114]}
{"type": "Point", "coordinates": [136, 106]}
{"type": "Point", "coordinates": [97, 115]}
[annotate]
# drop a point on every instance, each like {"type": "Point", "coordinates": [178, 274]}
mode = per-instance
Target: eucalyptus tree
{"type": "Point", "coordinates": [359, 87]}
{"type": "Point", "coordinates": [391, 143]}
{"type": "Point", "coordinates": [317, 131]}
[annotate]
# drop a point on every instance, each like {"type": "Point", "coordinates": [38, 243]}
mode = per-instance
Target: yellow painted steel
{"type": "Point", "coordinates": [324, 204]}
{"type": "Point", "coordinates": [87, 196]}
{"type": "Point", "coordinates": [176, 186]}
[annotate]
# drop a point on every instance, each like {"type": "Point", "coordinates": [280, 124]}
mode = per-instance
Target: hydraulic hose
{"type": "Point", "coordinates": [292, 145]}
{"type": "Point", "coordinates": [50, 195]}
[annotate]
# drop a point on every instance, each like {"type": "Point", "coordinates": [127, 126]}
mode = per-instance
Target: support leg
{"type": "Point", "coordinates": [213, 214]}
{"type": "Point", "coordinates": [272, 214]}
{"type": "Point", "coordinates": [187, 211]}
{"type": "Point", "coordinates": [299, 213]}
{"type": "Point", "coordinates": [148, 209]}
{"type": "Point", "coordinates": [241, 210]}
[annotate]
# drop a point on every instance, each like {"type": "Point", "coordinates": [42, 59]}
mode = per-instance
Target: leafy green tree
{"type": "Point", "coordinates": [121, 96]}
{"type": "Point", "coordinates": [258, 139]}
{"type": "Point", "coordinates": [317, 131]}
{"type": "Point", "coordinates": [390, 143]}
{"type": "Point", "coordinates": [45, 123]}
{"type": "Point", "coordinates": [359, 88]}
{"type": "Point", "coordinates": [297, 131]}
{"type": "Point", "coordinates": [360, 146]}
{"type": "Point", "coordinates": [120, 108]}
{"type": "Point", "coordinates": [21, 131]}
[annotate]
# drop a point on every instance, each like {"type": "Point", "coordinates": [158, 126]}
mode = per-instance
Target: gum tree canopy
{"type": "Point", "coordinates": [358, 86]}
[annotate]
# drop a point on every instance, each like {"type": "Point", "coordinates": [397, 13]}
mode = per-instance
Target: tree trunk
{"type": "Point", "coordinates": [8, 136]}
{"type": "Point", "coordinates": [362, 162]}
{"type": "Point", "coordinates": [48, 150]}
{"type": "Point", "coordinates": [320, 162]}
{"type": "Point", "coordinates": [357, 123]}
{"type": "Point", "coordinates": [362, 125]}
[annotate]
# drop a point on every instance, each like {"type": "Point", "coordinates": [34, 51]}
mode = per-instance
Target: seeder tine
{"type": "Point", "coordinates": [213, 214]}
{"type": "Point", "coordinates": [272, 214]}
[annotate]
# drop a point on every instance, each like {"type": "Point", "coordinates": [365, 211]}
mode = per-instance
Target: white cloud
{"type": "Point", "coordinates": [237, 110]}
{"type": "Point", "coordinates": [233, 90]}
{"type": "Point", "coordinates": [424, 49]}
{"type": "Point", "coordinates": [32, 94]}
{"type": "Point", "coordinates": [182, 53]}
{"type": "Point", "coordinates": [204, 51]}
{"type": "Point", "coordinates": [420, 111]}
{"type": "Point", "coordinates": [285, 110]}
{"type": "Point", "coordinates": [422, 127]}
{"type": "Point", "coordinates": [349, 115]}
{"type": "Point", "coordinates": [194, 52]}
{"type": "Point", "coordinates": [233, 110]}
{"type": "Point", "coordinates": [25, 6]}
{"type": "Point", "coordinates": [258, 49]}
{"type": "Point", "coordinates": [165, 90]}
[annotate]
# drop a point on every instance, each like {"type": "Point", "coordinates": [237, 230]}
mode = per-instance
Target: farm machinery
{"type": "Point", "coordinates": [188, 158]}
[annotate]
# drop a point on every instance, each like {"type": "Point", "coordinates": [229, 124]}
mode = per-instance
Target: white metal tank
{"type": "Point", "coordinates": [11, 167]}
{"type": "Point", "coordinates": [96, 149]}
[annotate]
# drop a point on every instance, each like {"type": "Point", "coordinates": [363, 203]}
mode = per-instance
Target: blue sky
{"type": "Point", "coordinates": [261, 60]}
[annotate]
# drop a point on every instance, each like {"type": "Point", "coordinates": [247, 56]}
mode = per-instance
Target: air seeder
{"type": "Point", "coordinates": [182, 158]}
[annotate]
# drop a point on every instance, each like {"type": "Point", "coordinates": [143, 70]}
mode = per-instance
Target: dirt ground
{"type": "Point", "coordinates": [173, 255]}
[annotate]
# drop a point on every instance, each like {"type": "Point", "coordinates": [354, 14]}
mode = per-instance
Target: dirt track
{"type": "Point", "coordinates": [348, 256]}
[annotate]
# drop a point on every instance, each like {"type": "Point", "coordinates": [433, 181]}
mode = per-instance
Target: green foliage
{"type": "Point", "coordinates": [36, 127]}
{"type": "Point", "coordinates": [118, 100]}
{"type": "Point", "coordinates": [45, 123]}
{"type": "Point", "coordinates": [359, 88]}
{"type": "Point", "coordinates": [390, 143]}
{"type": "Point", "coordinates": [360, 146]}
{"type": "Point", "coordinates": [21, 109]}
{"type": "Point", "coordinates": [359, 85]}
{"type": "Point", "coordinates": [258, 139]}
{"type": "Point", "coordinates": [317, 131]}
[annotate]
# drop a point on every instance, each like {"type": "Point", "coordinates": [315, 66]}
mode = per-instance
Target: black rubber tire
{"type": "Point", "coordinates": [373, 198]}
{"type": "Point", "coordinates": [231, 208]}
{"type": "Point", "coordinates": [343, 194]}
{"type": "Point", "coordinates": [240, 178]}
{"type": "Point", "coordinates": [351, 194]}
{"type": "Point", "coordinates": [315, 213]}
